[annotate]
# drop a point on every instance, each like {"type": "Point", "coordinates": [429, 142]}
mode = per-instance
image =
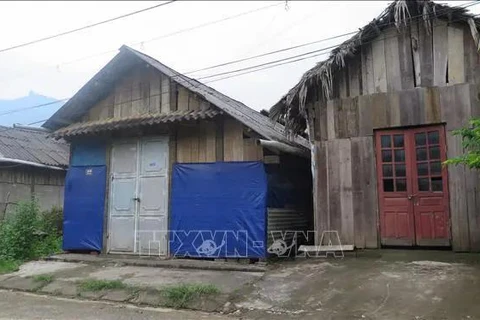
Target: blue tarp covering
{"type": "Point", "coordinates": [219, 210]}
{"type": "Point", "coordinates": [83, 208]}
{"type": "Point", "coordinates": [88, 153]}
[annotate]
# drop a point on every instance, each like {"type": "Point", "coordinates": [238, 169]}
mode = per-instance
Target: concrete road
{"type": "Point", "coordinates": [17, 305]}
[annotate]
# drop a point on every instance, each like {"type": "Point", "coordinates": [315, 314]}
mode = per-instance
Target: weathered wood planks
{"type": "Point", "coordinates": [456, 59]}
{"type": "Point", "coordinates": [458, 203]}
{"type": "Point", "coordinates": [440, 52]}
{"type": "Point", "coordinates": [345, 190]}
{"type": "Point", "coordinates": [359, 116]}
{"type": "Point", "coordinates": [196, 143]}
{"type": "Point", "coordinates": [379, 64]}
{"type": "Point", "coordinates": [232, 140]}
{"type": "Point", "coordinates": [143, 91]}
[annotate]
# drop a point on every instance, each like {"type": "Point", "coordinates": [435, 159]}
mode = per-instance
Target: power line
{"type": "Point", "coordinates": [266, 65]}
{"type": "Point", "coordinates": [164, 36]}
{"type": "Point", "coordinates": [308, 43]}
{"type": "Point", "coordinates": [85, 27]}
{"type": "Point", "coordinates": [466, 5]}
{"type": "Point", "coordinates": [32, 107]}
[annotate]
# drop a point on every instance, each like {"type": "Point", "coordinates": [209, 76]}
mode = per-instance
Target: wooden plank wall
{"type": "Point", "coordinates": [408, 58]}
{"type": "Point", "coordinates": [142, 91]}
{"type": "Point", "coordinates": [22, 183]}
{"type": "Point", "coordinates": [199, 142]}
{"type": "Point", "coordinates": [345, 161]}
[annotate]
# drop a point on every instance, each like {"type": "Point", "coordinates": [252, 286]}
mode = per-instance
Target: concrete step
{"type": "Point", "coordinates": [143, 261]}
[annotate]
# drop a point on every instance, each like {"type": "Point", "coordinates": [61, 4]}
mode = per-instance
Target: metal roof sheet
{"type": "Point", "coordinates": [111, 124]}
{"type": "Point", "coordinates": [33, 146]}
{"type": "Point", "coordinates": [95, 88]}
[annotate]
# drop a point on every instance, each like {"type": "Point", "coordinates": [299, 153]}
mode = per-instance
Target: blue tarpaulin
{"type": "Point", "coordinates": [83, 208]}
{"type": "Point", "coordinates": [88, 153]}
{"type": "Point", "coordinates": [219, 210]}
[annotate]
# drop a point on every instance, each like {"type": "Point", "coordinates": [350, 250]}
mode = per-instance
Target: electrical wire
{"type": "Point", "coordinates": [266, 65]}
{"type": "Point", "coordinates": [156, 38]}
{"type": "Point", "coordinates": [85, 27]}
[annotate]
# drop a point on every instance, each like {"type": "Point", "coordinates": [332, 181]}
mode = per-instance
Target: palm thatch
{"type": "Point", "coordinates": [291, 108]}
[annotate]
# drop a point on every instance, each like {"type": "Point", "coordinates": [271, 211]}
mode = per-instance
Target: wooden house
{"type": "Point", "coordinates": [380, 113]}
{"type": "Point", "coordinates": [32, 165]}
{"type": "Point", "coordinates": [138, 118]}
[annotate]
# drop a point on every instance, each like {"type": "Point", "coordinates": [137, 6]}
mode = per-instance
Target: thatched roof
{"type": "Point", "coordinates": [291, 108]}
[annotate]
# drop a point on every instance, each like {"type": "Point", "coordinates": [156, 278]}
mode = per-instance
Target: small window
{"type": "Point", "coordinates": [434, 153]}
{"type": "Point", "coordinates": [398, 141]}
{"type": "Point", "coordinates": [435, 168]}
{"type": "Point", "coordinates": [433, 137]}
{"type": "Point", "coordinates": [400, 170]}
{"type": "Point", "coordinates": [401, 184]}
{"type": "Point", "coordinates": [388, 185]}
{"type": "Point", "coordinates": [399, 155]}
{"type": "Point", "coordinates": [387, 170]}
{"type": "Point", "coordinates": [420, 139]}
{"type": "Point", "coordinates": [387, 155]}
{"type": "Point", "coordinates": [422, 169]}
{"type": "Point", "coordinates": [386, 141]}
{"type": "Point", "coordinates": [421, 154]}
{"type": "Point", "coordinates": [437, 184]}
{"type": "Point", "coordinates": [423, 184]}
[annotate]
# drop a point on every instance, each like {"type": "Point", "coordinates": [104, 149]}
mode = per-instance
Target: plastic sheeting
{"type": "Point", "coordinates": [218, 210]}
{"type": "Point", "coordinates": [84, 208]}
{"type": "Point", "coordinates": [88, 153]}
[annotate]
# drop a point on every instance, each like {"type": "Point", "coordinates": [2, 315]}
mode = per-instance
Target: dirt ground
{"type": "Point", "coordinates": [23, 306]}
{"type": "Point", "coordinates": [383, 285]}
{"type": "Point", "coordinates": [379, 284]}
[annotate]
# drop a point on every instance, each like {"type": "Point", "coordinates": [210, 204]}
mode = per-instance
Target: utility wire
{"type": "Point", "coordinates": [266, 65]}
{"type": "Point", "coordinates": [310, 43]}
{"type": "Point", "coordinates": [85, 27]}
{"type": "Point", "coordinates": [161, 37]}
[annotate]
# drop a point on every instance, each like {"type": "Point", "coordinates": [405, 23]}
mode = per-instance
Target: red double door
{"type": "Point", "coordinates": [413, 187]}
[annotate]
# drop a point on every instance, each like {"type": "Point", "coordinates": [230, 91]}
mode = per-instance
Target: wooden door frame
{"type": "Point", "coordinates": [410, 171]}
{"type": "Point", "coordinates": [380, 192]}
{"type": "Point", "coordinates": [444, 173]}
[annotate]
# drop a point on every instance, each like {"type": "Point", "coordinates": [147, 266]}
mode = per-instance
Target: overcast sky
{"type": "Point", "coordinates": [59, 67]}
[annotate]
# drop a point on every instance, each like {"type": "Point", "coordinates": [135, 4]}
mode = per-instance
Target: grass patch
{"type": "Point", "coordinates": [7, 266]}
{"type": "Point", "coordinates": [44, 279]}
{"type": "Point", "coordinates": [98, 285]}
{"type": "Point", "coordinates": [179, 296]}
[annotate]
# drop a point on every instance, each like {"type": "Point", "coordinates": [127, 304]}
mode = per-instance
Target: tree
{"type": "Point", "coordinates": [471, 144]}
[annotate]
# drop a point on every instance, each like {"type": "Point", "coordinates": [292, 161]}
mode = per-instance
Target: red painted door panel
{"type": "Point", "coordinates": [396, 214]}
{"type": "Point", "coordinates": [412, 187]}
{"type": "Point", "coordinates": [430, 187]}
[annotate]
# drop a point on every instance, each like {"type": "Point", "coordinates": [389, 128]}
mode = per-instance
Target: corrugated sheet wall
{"type": "Point", "coordinates": [282, 220]}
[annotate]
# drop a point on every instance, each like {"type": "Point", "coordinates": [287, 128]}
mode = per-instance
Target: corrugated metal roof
{"type": "Point", "coordinates": [123, 123]}
{"type": "Point", "coordinates": [33, 145]}
{"type": "Point", "coordinates": [95, 88]}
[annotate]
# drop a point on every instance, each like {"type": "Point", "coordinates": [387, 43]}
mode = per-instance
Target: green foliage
{"type": "Point", "coordinates": [53, 220]}
{"type": "Point", "coordinates": [471, 144]}
{"type": "Point", "coordinates": [28, 234]}
{"type": "Point", "coordinates": [179, 296]}
{"type": "Point", "coordinates": [44, 279]}
{"type": "Point", "coordinates": [7, 266]}
{"type": "Point", "coordinates": [98, 285]}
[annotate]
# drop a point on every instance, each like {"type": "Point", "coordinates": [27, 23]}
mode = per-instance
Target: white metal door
{"type": "Point", "coordinates": [123, 186]}
{"type": "Point", "coordinates": [153, 195]}
{"type": "Point", "coordinates": [139, 197]}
